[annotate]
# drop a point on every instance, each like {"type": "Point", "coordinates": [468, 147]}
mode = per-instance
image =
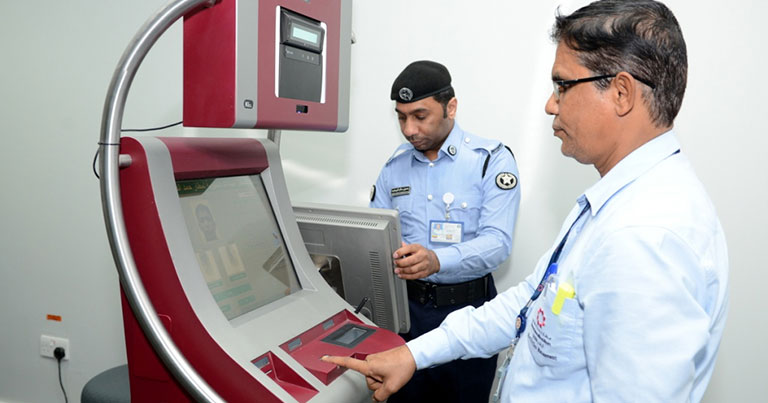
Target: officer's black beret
{"type": "Point", "coordinates": [420, 80]}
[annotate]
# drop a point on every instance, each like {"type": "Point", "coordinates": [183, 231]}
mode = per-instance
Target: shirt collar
{"type": "Point", "coordinates": [630, 168]}
{"type": "Point", "coordinates": [452, 142]}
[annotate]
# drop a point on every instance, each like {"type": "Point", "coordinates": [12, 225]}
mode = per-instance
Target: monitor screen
{"type": "Point", "coordinates": [237, 242]}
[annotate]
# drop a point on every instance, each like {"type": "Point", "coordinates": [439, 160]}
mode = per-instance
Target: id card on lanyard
{"type": "Point", "coordinates": [520, 322]}
{"type": "Point", "coordinates": [446, 231]}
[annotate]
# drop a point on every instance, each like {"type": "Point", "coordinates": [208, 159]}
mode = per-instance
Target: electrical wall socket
{"type": "Point", "coordinates": [49, 343]}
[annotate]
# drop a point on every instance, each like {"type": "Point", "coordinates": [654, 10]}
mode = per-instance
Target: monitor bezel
{"type": "Point", "coordinates": [382, 227]}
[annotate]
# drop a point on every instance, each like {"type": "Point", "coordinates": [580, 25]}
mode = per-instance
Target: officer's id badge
{"type": "Point", "coordinates": [400, 191]}
{"type": "Point", "coordinates": [506, 181]}
{"type": "Point", "coordinates": [445, 231]}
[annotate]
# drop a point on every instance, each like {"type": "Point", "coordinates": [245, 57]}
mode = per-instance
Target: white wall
{"type": "Point", "coordinates": [56, 59]}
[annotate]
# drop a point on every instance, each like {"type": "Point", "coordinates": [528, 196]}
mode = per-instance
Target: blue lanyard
{"type": "Point", "coordinates": [522, 317]}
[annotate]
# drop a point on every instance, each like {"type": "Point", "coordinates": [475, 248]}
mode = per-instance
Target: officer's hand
{"type": "Point", "coordinates": [385, 372]}
{"type": "Point", "coordinates": [415, 261]}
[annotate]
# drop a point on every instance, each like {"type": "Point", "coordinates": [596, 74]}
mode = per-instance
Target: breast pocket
{"type": "Point", "coordinates": [556, 339]}
{"type": "Point", "coordinates": [404, 207]}
{"type": "Point", "coordinates": [467, 210]}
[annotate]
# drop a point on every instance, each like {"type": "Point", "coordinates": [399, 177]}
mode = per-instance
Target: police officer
{"type": "Point", "coordinates": [457, 195]}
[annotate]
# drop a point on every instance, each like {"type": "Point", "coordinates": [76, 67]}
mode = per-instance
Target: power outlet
{"type": "Point", "coordinates": [49, 343]}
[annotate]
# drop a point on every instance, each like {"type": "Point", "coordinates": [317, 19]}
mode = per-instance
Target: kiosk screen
{"type": "Point", "coordinates": [237, 242]}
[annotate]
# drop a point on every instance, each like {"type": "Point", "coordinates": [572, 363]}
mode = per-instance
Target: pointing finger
{"type": "Point", "coordinates": [347, 362]}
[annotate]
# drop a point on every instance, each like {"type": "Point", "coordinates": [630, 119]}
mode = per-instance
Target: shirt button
{"type": "Point", "coordinates": [429, 197]}
{"type": "Point", "coordinates": [431, 164]}
{"type": "Point", "coordinates": [464, 205]}
{"type": "Point", "coordinates": [466, 139]}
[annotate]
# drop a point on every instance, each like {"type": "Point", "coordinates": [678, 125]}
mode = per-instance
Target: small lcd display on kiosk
{"type": "Point", "coordinates": [301, 58]}
{"type": "Point", "coordinates": [211, 228]}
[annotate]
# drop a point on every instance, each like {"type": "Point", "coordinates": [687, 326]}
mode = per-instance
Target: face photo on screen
{"type": "Point", "coordinates": [237, 242]}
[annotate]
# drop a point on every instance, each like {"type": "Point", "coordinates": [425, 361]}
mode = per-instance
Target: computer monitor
{"type": "Point", "coordinates": [353, 247]}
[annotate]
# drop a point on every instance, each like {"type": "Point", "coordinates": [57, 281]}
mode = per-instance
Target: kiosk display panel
{"type": "Point", "coordinates": [237, 243]}
{"type": "Point", "coordinates": [222, 260]}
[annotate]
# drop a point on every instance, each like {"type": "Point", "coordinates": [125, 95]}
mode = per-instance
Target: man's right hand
{"type": "Point", "coordinates": [413, 261]}
{"type": "Point", "coordinates": [385, 372]}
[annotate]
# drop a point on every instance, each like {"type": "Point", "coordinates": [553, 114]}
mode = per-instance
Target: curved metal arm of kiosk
{"type": "Point", "coordinates": [109, 149]}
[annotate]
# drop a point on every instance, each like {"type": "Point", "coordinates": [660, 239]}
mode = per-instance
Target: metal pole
{"type": "Point", "coordinates": [109, 149]}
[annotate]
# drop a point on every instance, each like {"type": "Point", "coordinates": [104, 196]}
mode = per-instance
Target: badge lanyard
{"type": "Point", "coordinates": [448, 199]}
{"type": "Point", "coordinates": [522, 317]}
{"type": "Point", "coordinates": [447, 231]}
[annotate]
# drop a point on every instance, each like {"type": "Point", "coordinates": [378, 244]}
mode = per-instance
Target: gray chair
{"type": "Point", "coordinates": [110, 386]}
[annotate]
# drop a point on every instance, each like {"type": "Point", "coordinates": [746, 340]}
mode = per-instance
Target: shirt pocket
{"type": "Point", "coordinates": [404, 207]}
{"type": "Point", "coordinates": [556, 340]}
{"type": "Point", "coordinates": [467, 211]}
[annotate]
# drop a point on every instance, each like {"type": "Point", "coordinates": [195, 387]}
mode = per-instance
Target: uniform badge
{"type": "Point", "coordinates": [452, 150]}
{"type": "Point", "coordinates": [400, 191]}
{"type": "Point", "coordinates": [373, 192]}
{"type": "Point", "coordinates": [506, 181]}
{"type": "Point", "coordinates": [405, 94]}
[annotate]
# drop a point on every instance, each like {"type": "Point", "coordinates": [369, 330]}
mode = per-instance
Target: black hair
{"type": "Point", "coordinates": [443, 97]}
{"type": "Point", "coordinates": [642, 38]}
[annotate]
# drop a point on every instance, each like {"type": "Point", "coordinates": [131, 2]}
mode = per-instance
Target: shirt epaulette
{"type": "Point", "coordinates": [400, 150]}
{"type": "Point", "coordinates": [489, 145]}
{"type": "Point", "coordinates": [498, 147]}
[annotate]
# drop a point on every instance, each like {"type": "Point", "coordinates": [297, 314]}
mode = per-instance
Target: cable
{"type": "Point", "coordinates": [96, 156]}
{"type": "Point", "coordinates": [153, 128]}
{"type": "Point", "coordinates": [59, 353]}
{"type": "Point", "coordinates": [93, 165]}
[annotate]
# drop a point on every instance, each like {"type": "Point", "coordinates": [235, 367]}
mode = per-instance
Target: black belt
{"type": "Point", "coordinates": [449, 294]}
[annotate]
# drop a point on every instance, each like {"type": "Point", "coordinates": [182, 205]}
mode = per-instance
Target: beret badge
{"type": "Point", "coordinates": [405, 94]}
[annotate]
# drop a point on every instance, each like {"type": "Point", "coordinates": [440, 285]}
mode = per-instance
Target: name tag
{"type": "Point", "coordinates": [445, 231]}
{"type": "Point", "coordinates": [401, 191]}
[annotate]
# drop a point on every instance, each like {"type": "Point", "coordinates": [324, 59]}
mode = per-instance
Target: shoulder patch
{"type": "Point", "coordinates": [506, 181]}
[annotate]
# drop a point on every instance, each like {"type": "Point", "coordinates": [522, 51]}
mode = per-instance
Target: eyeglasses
{"type": "Point", "coordinates": [560, 86]}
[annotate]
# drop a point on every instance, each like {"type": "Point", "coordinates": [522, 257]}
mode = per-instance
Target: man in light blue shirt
{"type": "Point", "coordinates": [630, 302]}
{"type": "Point", "coordinates": [457, 195]}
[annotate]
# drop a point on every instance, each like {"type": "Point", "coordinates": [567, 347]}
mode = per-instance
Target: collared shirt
{"type": "Point", "coordinates": [415, 186]}
{"type": "Point", "coordinates": [649, 267]}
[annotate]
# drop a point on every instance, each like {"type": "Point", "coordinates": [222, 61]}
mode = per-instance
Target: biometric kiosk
{"type": "Point", "coordinates": [221, 300]}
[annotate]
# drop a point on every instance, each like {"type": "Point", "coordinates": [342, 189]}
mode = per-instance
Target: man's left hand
{"type": "Point", "coordinates": [414, 261]}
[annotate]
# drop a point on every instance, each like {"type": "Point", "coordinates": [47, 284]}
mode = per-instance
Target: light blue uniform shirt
{"type": "Point", "coordinates": [485, 208]}
{"type": "Point", "coordinates": [649, 267]}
